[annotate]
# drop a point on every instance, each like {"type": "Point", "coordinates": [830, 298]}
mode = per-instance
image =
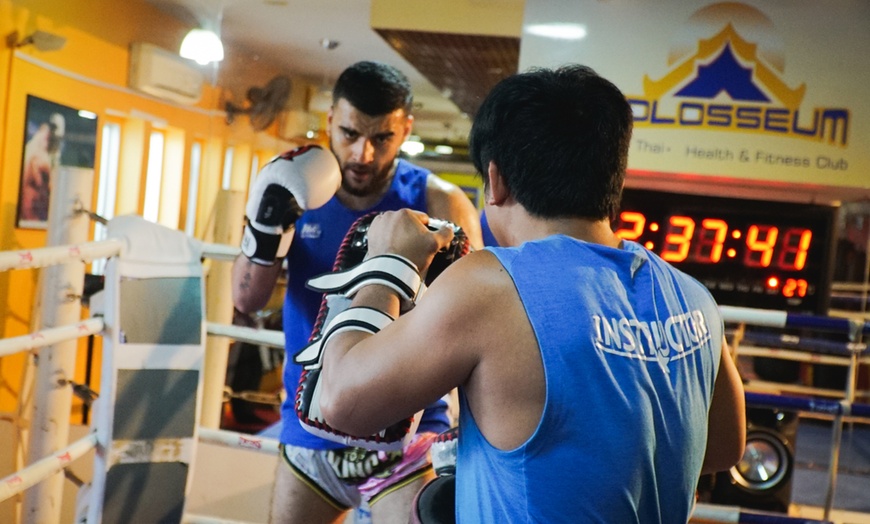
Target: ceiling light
{"type": "Point", "coordinates": [412, 147]}
{"type": "Point", "coordinates": [559, 31]}
{"type": "Point", "coordinates": [202, 46]}
{"type": "Point", "coordinates": [442, 149]}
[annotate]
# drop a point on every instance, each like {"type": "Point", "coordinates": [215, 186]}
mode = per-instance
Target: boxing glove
{"type": "Point", "coordinates": [300, 179]}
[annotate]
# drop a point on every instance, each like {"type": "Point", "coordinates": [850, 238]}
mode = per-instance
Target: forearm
{"type": "Point", "coordinates": [726, 426]}
{"type": "Point", "coordinates": [253, 284]}
{"type": "Point", "coordinates": [345, 371]}
{"type": "Point", "coordinates": [381, 298]}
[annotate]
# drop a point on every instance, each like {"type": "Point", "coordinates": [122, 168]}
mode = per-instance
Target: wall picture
{"type": "Point", "coordinates": [55, 137]}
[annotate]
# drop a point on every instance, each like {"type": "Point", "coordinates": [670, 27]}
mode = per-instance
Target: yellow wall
{"type": "Point", "coordinates": [90, 72]}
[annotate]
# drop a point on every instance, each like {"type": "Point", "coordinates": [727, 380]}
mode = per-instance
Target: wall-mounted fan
{"type": "Point", "coordinates": [264, 103]}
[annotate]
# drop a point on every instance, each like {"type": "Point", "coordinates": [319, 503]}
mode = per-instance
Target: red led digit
{"type": "Point", "coordinates": [708, 248]}
{"type": "Point", "coordinates": [794, 287]}
{"type": "Point", "coordinates": [678, 239]}
{"type": "Point", "coordinates": [788, 289]}
{"type": "Point", "coordinates": [630, 225]}
{"type": "Point", "coordinates": [760, 240]}
{"type": "Point", "coordinates": [801, 287]}
{"type": "Point", "coordinates": [796, 243]}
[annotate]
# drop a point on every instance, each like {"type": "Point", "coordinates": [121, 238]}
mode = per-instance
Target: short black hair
{"type": "Point", "coordinates": [374, 88]}
{"type": "Point", "coordinates": [560, 140]}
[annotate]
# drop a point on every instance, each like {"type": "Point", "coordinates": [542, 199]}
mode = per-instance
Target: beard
{"type": "Point", "coordinates": [364, 180]}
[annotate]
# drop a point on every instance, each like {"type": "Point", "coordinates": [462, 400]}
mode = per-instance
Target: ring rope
{"type": "Point", "coordinates": [233, 439]}
{"type": "Point", "coordinates": [45, 467]}
{"type": "Point", "coordinates": [812, 405]}
{"type": "Point", "coordinates": [798, 355]}
{"type": "Point", "coordinates": [51, 256]}
{"type": "Point", "coordinates": [704, 512]}
{"type": "Point", "coordinates": [49, 336]}
{"type": "Point", "coordinates": [87, 251]}
{"type": "Point", "coordinates": [265, 337]}
{"type": "Point", "coordinates": [814, 345]}
{"type": "Point", "coordinates": [784, 319]}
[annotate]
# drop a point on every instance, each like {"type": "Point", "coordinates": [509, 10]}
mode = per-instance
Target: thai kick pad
{"type": "Point", "coordinates": [351, 254]}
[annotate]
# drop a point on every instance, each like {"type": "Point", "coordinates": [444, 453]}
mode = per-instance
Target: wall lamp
{"type": "Point", "coordinates": [202, 46]}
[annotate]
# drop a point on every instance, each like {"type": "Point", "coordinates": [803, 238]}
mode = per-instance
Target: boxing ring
{"type": "Point", "coordinates": [127, 461]}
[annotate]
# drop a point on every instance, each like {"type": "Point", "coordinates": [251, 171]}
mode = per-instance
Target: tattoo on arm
{"type": "Point", "coordinates": [246, 281]}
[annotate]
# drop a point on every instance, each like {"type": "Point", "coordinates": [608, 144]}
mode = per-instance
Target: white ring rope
{"type": "Point", "coordinates": [85, 252]}
{"type": "Point", "coordinates": [755, 317]}
{"type": "Point", "coordinates": [238, 440]}
{"type": "Point", "coordinates": [266, 337]}
{"type": "Point", "coordinates": [44, 468]}
{"type": "Point", "coordinates": [51, 256]}
{"type": "Point", "coordinates": [49, 336]}
{"type": "Point", "coordinates": [220, 252]}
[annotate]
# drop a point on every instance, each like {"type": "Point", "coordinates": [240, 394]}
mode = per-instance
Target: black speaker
{"type": "Point", "coordinates": [762, 479]}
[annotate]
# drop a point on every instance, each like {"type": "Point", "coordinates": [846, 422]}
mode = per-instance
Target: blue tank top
{"type": "Point", "coordinates": [488, 237]}
{"type": "Point", "coordinates": [630, 349]}
{"type": "Point", "coordinates": [318, 236]}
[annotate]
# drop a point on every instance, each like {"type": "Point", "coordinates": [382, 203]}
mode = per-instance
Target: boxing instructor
{"type": "Point", "coordinates": [294, 211]}
{"type": "Point", "coordinates": [594, 380]}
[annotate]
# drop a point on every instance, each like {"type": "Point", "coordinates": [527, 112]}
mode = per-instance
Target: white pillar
{"type": "Point", "coordinates": [61, 305]}
{"type": "Point", "coordinates": [230, 212]}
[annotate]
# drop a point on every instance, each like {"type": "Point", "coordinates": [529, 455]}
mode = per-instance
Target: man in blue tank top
{"type": "Point", "coordinates": [594, 379]}
{"type": "Point", "coordinates": [318, 480]}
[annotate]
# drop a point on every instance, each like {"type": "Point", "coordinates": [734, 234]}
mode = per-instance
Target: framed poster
{"type": "Point", "coordinates": [55, 136]}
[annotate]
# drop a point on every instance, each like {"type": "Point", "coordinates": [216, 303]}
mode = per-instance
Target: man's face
{"type": "Point", "coordinates": [366, 145]}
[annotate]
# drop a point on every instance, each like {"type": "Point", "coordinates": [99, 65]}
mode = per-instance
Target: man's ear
{"type": "Point", "coordinates": [498, 191]}
{"type": "Point", "coordinates": [329, 114]}
{"type": "Point", "coordinates": [409, 124]}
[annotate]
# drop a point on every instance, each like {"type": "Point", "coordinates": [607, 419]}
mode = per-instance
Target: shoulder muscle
{"type": "Point", "coordinates": [448, 201]}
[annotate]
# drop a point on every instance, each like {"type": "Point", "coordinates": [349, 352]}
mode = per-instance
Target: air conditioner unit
{"type": "Point", "coordinates": [164, 74]}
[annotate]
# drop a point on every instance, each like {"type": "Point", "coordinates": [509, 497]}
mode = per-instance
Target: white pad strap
{"type": "Point", "coordinates": [365, 319]}
{"type": "Point", "coordinates": [394, 271]}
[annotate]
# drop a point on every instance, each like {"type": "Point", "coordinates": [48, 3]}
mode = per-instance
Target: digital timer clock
{"type": "Point", "coordinates": [752, 253]}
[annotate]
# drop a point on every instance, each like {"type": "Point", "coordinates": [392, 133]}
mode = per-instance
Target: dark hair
{"type": "Point", "coordinates": [374, 88]}
{"type": "Point", "coordinates": [559, 139]}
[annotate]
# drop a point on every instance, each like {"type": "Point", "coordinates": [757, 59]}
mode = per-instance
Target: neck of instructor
{"type": "Point", "coordinates": [517, 226]}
